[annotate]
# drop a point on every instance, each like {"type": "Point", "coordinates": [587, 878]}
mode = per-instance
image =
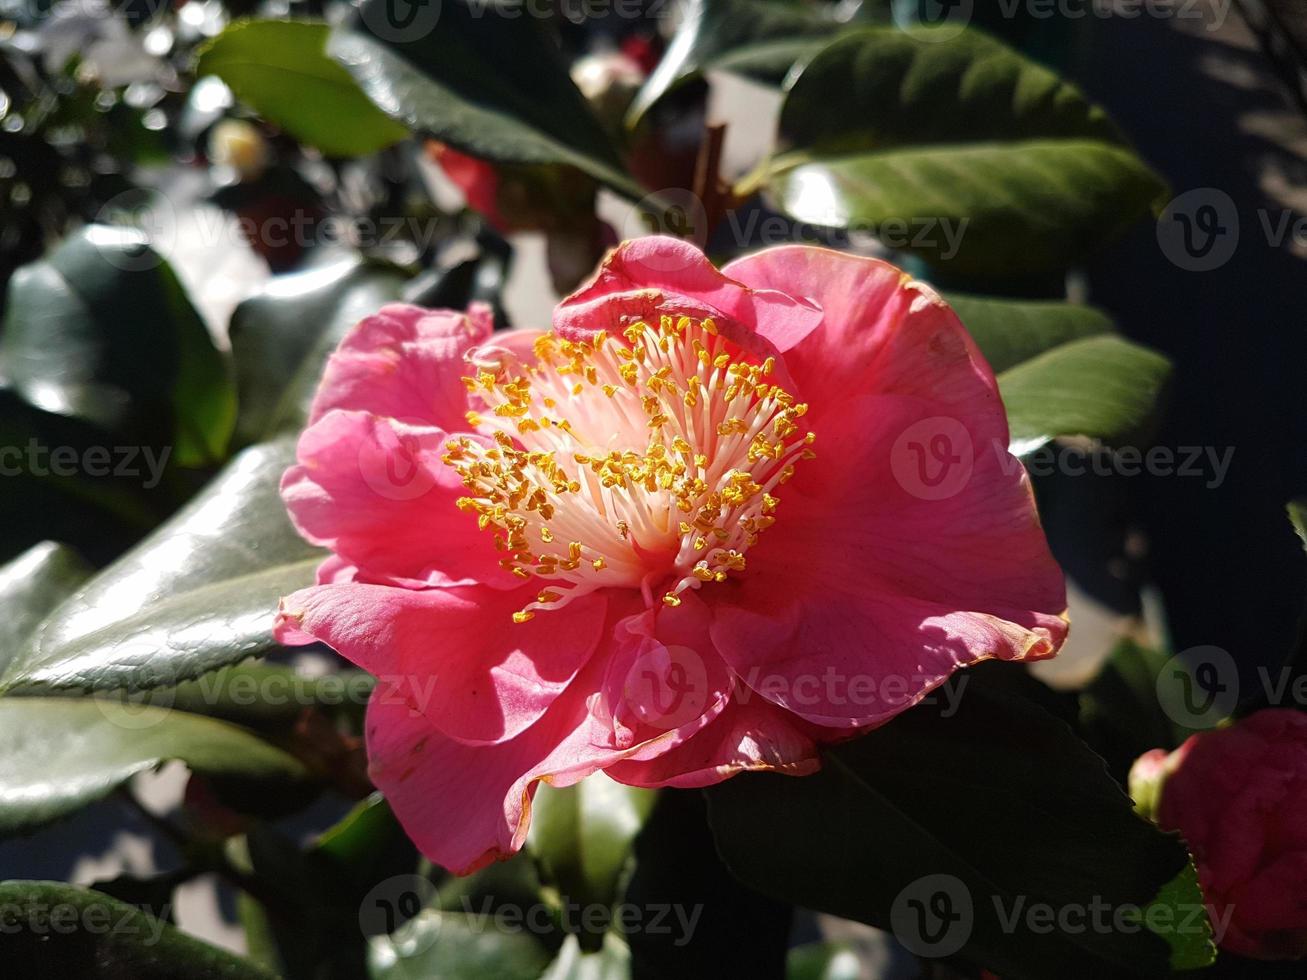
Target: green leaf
{"type": "Point", "coordinates": [978, 209]}
{"type": "Point", "coordinates": [611, 962]}
{"type": "Point", "coordinates": [984, 795]}
{"type": "Point", "coordinates": [63, 753]}
{"type": "Point", "coordinates": [582, 835]}
{"type": "Point", "coordinates": [1120, 709]}
{"type": "Point", "coordinates": [198, 594]}
{"type": "Point", "coordinates": [998, 167]}
{"type": "Point", "coordinates": [754, 37]}
{"type": "Point", "coordinates": [484, 78]}
{"type": "Point", "coordinates": [102, 330]}
{"type": "Point", "coordinates": [823, 961]}
{"type": "Point", "coordinates": [1298, 517]}
{"type": "Point", "coordinates": [30, 586]}
{"type": "Point", "coordinates": [101, 512]}
{"type": "Point", "coordinates": [1173, 915]}
{"type": "Point", "coordinates": [281, 336]}
{"type": "Point", "coordinates": [1009, 331]}
{"type": "Point", "coordinates": [270, 697]}
{"type": "Point", "coordinates": [878, 88]}
{"type": "Point", "coordinates": [53, 929]}
{"type": "Point", "coordinates": [448, 946]}
{"type": "Point", "coordinates": [281, 70]}
{"type": "Point", "coordinates": [1101, 387]}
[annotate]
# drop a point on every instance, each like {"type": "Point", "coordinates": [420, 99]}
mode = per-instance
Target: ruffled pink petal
{"type": "Point", "coordinates": [867, 594]}
{"type": "Point", "coordinates": [746, 736]}
{"type": "Point", "coordinates": [465, 806]}
{"type": "Point", "coordinates": [376, 492]}
{"type": "Point", "coordinates": [664, 680]}
{"type": "Point", "coordinates": [454, 654]}
{"type": "Point", "coordinates": [650, 277]}
{"type": "Point", "coordinates": [406, 363]}
{"type": "Point", "coordinates": [881, 332]}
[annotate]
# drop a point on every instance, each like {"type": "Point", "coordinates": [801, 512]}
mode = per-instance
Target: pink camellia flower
{"type": "Point", "coordinates": [1239, 797]}
{"type": "Point", "coordinates": [709, 522]}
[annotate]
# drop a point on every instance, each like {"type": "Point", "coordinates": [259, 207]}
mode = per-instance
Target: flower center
{"type": "Point", "coordinates": [649, 464]}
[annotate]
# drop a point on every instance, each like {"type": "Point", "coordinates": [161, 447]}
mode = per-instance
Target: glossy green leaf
{"type": "Point", "coordinates": [281, 70]}
{"type": "Point", "coordinates": [482, 76]}
{"type": "Point", "coordinates": [102, 330]}
{"type": "Point", "coordinates": [880, 87]}
{"type": "Point", "coordinates": [612, 961]}
{"type": "Point", "coordinates": [823, 961]}
{"type": "Point", "coordinates": [755, 37]}
{"type": "Point", "coordinates": [985, 790]}
{"type": "Point", "coordinates": [63, 753]}
{"type": "Point", "coordinates": [1009, 331]}
{"type": "Point", "coordinates": [1297, 510]}
{"type": "Point", "coordinates": [30, 587]}
{"type": "Point", "coordinates": [281, 336]}
{"type": "Point", "coordinates": [52, 929]}
{"type": "Point", "coordinates": [979, 209]}
{"type": "Point", "coordinates": [270, 696]}
{"type": "Point", "coordinates": [198, 594]}
{"type": "Point", "coordinates": [1100, 387]}
{"type": "Point", "coordinates": [449, 946]}
{"type": "Point", "coordinates": [1179, 916]}
{"type": "Point", "coordinates": [582, 835]}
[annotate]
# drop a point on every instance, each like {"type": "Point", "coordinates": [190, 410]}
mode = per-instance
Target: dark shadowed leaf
{"type": "Point", "coordinates": [281, 336]}
{"type": "Point", "coordinates": [100, 938]}
{"type": "Point", "coordinates": [102, 330]}
{"type": "Point", "coordinates": [760, 38]}
{"type": "Point", "coordinates": [879, 87]}
{"type": "Point", "coordinates": [999, 800]}
{"type": "Point", "coordinates": [483, 77]}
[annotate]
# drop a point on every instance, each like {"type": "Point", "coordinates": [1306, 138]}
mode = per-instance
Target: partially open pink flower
{"type": "Point", "coordinates": [710, 521]}
{"type": "Point", "coordinates": [1239, 797]}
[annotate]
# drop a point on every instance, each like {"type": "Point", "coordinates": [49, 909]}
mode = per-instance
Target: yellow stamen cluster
{"type": "Point", "coordinates": [649, 463]}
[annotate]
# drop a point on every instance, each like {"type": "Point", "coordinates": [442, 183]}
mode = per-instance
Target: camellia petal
{"type": "Point", "coordinates": [377, 493]}
{"type": "Point", "coordinates": [651, 277]}
{"type": "Point", "coordinates": [707, 523]}
{"type": "Point", "coordinates": [405, 363]}
{"type": "Point", "coordinates": [454, 654]}
{"type": "Point", "coordinates": [749, 735]}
